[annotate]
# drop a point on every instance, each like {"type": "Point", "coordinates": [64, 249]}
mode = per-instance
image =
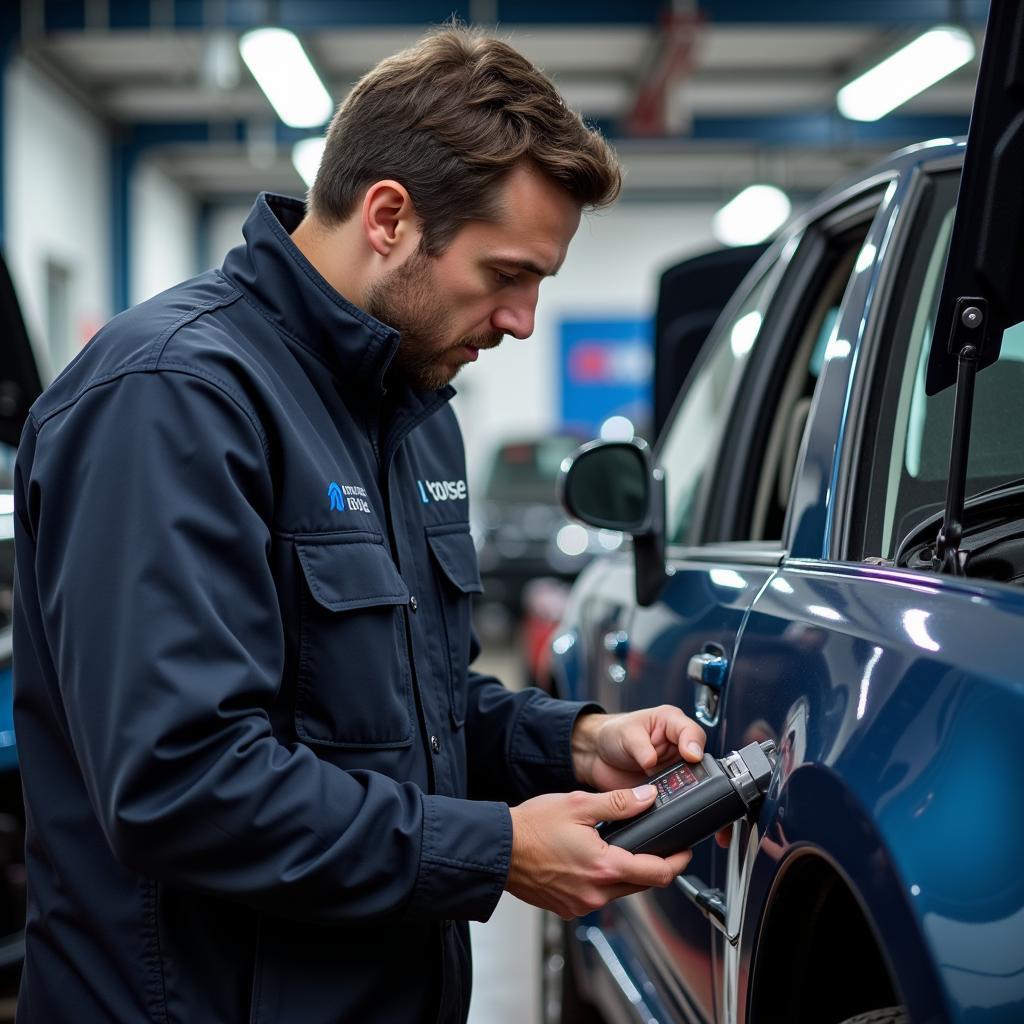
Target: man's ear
{"type": "Point", "coordinates": [389, 222]}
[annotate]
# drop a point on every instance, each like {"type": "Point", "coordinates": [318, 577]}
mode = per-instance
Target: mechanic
{"type": "Point", "coordinates": [261, 782]}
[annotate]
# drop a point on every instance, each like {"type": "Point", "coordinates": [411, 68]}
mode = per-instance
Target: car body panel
{"type": "Point", "coordinates": [898, 757]}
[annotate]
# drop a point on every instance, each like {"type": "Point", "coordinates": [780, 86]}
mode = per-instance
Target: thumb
{"type": "Point", "coordinates": [623, 803]}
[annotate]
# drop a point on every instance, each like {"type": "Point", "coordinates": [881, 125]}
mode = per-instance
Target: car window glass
{"type": "Point", "coordinates": [786, 409]}
{"type": "Point", "coordinates": [695, 428]}
{"type": "Point", "coordinates": [910, 461]}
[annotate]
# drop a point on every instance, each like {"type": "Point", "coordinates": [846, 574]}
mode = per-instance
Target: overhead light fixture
{"type": "Point", "coordinates": [306, 157]}
{"type": "Point", "coordinates": [750, 217]}
{"type": "Point", "coordinates": [918, 66]}
{"type": "Point", "coordinates": [284, 73]}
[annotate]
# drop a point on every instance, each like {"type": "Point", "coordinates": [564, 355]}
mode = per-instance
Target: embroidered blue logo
{"type": "Point", "coordinates": [348, 497]}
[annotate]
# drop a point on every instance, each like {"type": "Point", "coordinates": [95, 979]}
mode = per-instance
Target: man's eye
{"type": "Point", "coordinates": [504, 279]}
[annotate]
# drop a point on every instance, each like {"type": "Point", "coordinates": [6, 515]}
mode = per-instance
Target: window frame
{"type": "Point", "coordinates": [732, 504]}
{"type": "Point", "coordinates": [798, 259]}
{"type": "Point", "coordinates": [767, 273]}
{"type": "Point", "coordinates": [868, 378]}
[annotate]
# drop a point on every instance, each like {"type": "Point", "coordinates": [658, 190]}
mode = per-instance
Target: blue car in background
{"type": "Point", "coordinates": [19, 387]}
{"type": "Point", "coordinates": [828, 552]}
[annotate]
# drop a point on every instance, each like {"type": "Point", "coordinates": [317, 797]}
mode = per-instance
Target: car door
{"type": "Point", "coordinates": [874, 667]}
{"type": "Point", "coordinates": [19, 387]}
{"type": "Point", "coordinates": [728, 456]}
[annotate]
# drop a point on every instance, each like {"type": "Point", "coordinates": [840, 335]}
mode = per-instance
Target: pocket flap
{"type": "Point", "coordinates": [456, 554]}
{"type": "Point", "coordinates": [352, 573]}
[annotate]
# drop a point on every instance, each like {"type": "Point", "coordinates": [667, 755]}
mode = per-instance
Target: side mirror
{"type": "Point", "coordinates": [614, 485]}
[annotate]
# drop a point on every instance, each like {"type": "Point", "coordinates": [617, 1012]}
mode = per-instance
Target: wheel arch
{"type": "Point", "coordinates": [825, 902]}
{"type": "Point", "coordinates": [817, 949]}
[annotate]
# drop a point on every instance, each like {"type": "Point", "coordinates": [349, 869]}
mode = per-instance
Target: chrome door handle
{"type": "Point", "coordinates": [708, 671]}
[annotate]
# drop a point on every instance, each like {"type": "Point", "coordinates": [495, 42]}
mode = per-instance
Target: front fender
{"type": "Point", "coordinates": [815, 815]}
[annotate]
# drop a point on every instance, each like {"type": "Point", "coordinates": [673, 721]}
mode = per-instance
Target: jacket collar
{"type": "Point", "coordinates": [272, 271]}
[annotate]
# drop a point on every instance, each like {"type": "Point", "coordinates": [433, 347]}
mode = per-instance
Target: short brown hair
{"type": "Point", "coordinates": [449, 118]}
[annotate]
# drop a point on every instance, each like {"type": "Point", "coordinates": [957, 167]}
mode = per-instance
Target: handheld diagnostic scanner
{"type": "Point", "coordinates": [694, 801]}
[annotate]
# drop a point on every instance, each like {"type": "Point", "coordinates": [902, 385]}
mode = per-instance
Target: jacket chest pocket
{"type": "Point", "coordinates": [354, 687]}
{"type": "Point", "coordinates": [459, 578]}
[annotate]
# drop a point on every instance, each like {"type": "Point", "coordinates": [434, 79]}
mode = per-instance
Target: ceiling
{"type": "Point", "coordinates": [748, 98]}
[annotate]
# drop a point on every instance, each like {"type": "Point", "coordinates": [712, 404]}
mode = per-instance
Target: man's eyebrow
{"type": "Point", "coordinates": [527, 265]}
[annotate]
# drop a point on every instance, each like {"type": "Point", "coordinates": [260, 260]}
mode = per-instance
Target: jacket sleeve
{"type": "Point", "coordinates": [518, 743]}
{"type": "Point", "coordinates": [148, 502]}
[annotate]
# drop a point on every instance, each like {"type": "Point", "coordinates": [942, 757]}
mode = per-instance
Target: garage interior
{"type": "Point", "coordinates": [135, 138]}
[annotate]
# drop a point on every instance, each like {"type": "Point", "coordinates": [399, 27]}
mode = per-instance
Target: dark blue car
{"type": "Point", "coordinates": [829, 553]}
{"type": "Point", "coordinates": [19, 388]}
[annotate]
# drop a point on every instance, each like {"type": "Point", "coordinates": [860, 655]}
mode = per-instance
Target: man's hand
{"type": "Point", "coordinates": [615, 751]}
{"type": "Point", "coordinates": [560, 863]}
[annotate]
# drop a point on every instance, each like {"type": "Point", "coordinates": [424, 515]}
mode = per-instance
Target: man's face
{"type": "Point", "coordinates": [482, 287]}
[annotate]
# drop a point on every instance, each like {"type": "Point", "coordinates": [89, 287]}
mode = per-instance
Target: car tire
{"type": "Point", "coordinates": [560, 998]}
{"type": "Point", "coordinates": [885, 1015]}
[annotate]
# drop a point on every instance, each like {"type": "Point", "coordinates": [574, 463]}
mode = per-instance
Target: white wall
{"type": "Point", "coordinates": [163, 232]}
{"type": "Point", "coordinates": [224, 230]}
{"type": "Point", "coordinates": [612, 268]}
{"type": "Point", "coordinates": [57, 207]}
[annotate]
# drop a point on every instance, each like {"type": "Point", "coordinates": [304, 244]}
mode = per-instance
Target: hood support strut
{"type": "Point", "coordinates": [969, 329]}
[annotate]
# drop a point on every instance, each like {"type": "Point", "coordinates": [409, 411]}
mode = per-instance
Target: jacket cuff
{"type": "Point", "coordinates": [464, 858]}
{"type": "Point", "coordinates": [541, 747]}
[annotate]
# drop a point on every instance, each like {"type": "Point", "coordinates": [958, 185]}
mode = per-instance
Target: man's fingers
{"type": "Point", "coordinates": [636, 741]}
{"type": "Point", "coordinates": [618, 803]}
{"type": "Point", "coordinates": [680, 861]}
{"type": "Point", "coordinates": [684, 732]}
{"type": "Point", "coordinates": [647, 871]}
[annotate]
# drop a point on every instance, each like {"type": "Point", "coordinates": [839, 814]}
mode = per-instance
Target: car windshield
{"type": "Point", "coordinates": [527, 471]}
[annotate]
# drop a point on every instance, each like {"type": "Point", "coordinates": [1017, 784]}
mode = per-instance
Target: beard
{"type": "Point", "coordinates": [407, 299]}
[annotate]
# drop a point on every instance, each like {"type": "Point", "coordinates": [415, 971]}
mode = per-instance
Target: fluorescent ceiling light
{"type": "Point", "coordinates": [306, 156]}
{"type": "Point", "coordinates": [757, 212]}
{"type": "Point", "coordinates": [918, 66]}
{"type": "Point", "coordinates": [283, 71]}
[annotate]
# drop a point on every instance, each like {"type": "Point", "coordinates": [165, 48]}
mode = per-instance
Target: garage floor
{"type": "Point", "coordinates": [506, 966]}
{"type": "Point", "coordinates": [506, 950]}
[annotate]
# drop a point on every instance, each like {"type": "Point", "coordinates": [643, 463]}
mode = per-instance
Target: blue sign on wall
{"type": "Point", "coordinates": [606, 369]}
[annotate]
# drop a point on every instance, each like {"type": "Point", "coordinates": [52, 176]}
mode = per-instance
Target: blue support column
{"type": "Point", "coordinates": [123, 159]}
{"type": "Point", "coordinates": [127, 146]}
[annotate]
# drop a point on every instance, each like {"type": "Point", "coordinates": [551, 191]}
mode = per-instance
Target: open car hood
{"type": "Point", "coordinates": [985, 268]}
{"type": "Point", "coordinates": [20, 384]}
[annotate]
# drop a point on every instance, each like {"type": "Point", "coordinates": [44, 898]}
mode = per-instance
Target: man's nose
{"type": "Point", "coordinates": [515, 318]}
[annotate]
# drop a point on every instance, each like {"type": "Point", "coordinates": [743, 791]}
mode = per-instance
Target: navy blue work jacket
{"type": "Point", "coordinates": [261, 783]}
